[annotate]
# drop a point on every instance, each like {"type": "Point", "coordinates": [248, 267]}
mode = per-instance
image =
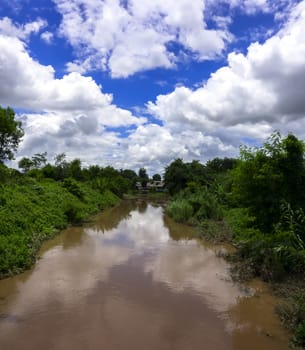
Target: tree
{"type": "Point", "coordinates": [75, 169]}
{"type": "Point", "coordinates": [26, 164]}
{"type": "Point", "coordinates": [176, 176]}
{"type": "Point", "coordinates": [61, 166]}
{"type": "Point", "coordinates": [269, 176]}
{"type": "Point", "coordinates": [60, 160]}
{"type": "Point", "coordinates": [143, 177]}
{"type": "Point", "coordinates": [156, 177]}
{"type": "Point", "coordinates": [130, 175]}
{"type": "Point", "coordinates": [219, 165]}
{"type": "Point", "coordinates": [39, 160]}
{"type": "Point", "coordinates": [293, 167]}
{"type": "Point", "coordinates": [11, 133]}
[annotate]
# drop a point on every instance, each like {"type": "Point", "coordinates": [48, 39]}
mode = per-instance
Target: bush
{"type": "Point", "coordinates": [299, 322]}
{"type": "Point", "coordinates": [75, 212]}
{"type": "Point", "coordinates": [180, 210]}
{"type": "Point", "coordinates": [205, 205]}
{"type": "Point", "coordinates": [215, 231]}
{"type": "Point", "coordinates": [73, 187]}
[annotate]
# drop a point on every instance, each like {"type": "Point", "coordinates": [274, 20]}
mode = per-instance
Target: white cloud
{"type": "Point", "coordinates": [28, 84]}
{"type": "Point", "coordinates": [155, 146]}
{"type": "Point", "coordinates": [67, 115]}
{"type": "Point", "coordinates": [255, 93]}
{"type": "Point", "coordinates": [129, 38]}
{"type": "Point", "coordinates": [22, 31]}
{"type": "Point", "coordinates": [47, 37]}
{"type": "Point", "coordinates": [252, 7]}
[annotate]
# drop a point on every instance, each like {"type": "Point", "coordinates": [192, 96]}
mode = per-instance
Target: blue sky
{"type": "Point", "coordinates": [139, 83]}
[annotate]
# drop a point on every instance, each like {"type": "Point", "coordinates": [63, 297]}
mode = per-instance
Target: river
{"type": "Point", "coordinates": [133, 279]}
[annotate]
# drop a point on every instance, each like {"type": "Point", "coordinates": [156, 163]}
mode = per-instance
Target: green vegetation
{"type": "Point", "coordinates": [10, 134]}
{"type": "Point", "coordinates": [34, 210]}
{"type": "Point", "coordinates": [258, 203]}
{"type": "Point", "coordinates": [45, 197]}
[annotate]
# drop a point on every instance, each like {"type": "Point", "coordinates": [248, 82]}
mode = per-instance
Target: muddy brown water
{"type": "Point", "coordinates": [132, 279]}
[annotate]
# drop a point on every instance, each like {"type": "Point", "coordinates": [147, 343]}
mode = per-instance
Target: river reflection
{"type": "Point", "coordinates": [126, 281]}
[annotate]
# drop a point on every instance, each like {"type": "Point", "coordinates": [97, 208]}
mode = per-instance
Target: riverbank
{"type": "Point", "coordinates": [32, 211]}
{"type": "Point", "coordinates": [290, 289]}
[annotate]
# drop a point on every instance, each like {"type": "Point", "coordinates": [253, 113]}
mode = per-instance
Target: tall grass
{"type": "Point", "coordinates": [180, 210]}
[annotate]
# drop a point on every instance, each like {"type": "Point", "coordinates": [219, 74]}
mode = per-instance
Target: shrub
{"type": "Point", "coordinates": [75, 212]}
{"type": "Point", "coordinates": [299, 322]}
{"type": "Point", "coordinates": [180, 210]}
{"type": "Point", "coordinates": [73, 187]}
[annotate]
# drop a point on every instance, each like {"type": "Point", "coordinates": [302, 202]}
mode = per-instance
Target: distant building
{"type": "Point", "coordinates": [151, 185]}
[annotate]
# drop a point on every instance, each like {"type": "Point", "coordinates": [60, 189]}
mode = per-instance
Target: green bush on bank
{"type": "Point", "coordinates": [271, 256]}
{"type": "Point", "coordinates": [180, 210]}
{"type": "Point", "coordinates": [299, 321]}
{"type": "Point", "coordinates": [32, 211]}
{"type": "Point", "coordinates": [195, 205]}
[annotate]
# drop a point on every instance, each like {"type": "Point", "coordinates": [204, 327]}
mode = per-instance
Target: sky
{"type": "Point", "coordinates": [139, 83]}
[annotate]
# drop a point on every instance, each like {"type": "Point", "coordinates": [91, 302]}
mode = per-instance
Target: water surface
{"type": "Point", "coordinates": [133, 279]}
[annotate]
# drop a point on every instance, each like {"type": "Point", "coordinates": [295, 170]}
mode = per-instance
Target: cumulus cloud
{"type": "Point", "coordinates": [79, 137]}
{"type": "Point", "coordinates": [135, 35]}
{"type": "Point", "coordinates": [22, 31]}
{"type": "Point", "coordinates": [156, 146]}
{"type": "Point", "coordinates": [28, 84]}
{"type": "Point", "coordinates": [47, 37]}
{"type": "Point", "coordinates": [253, 93]}
{"type": "Point", "coordinates": [67, 114]}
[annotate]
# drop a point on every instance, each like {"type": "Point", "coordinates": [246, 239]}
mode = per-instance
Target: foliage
{"type": "Point", "coordinates": [32, 211]}
{"type": "Point", "coordinates": [143, 177]}
{"type": "Point", "coordinates": [156, 177]}
{"type": "Point", "coordinates": [180, 210]}
{"type": "Point", "coordinates": [294, 222]}
{"type": "Point", "coordinates": [266, 177]}
{"type": "Point", "coordinates": [220, 165]}
{"type": "Point", "coordinates": [75, 170]}
{"type": "Point", "coordinates": [299, 321]}
{"type": "Point", "coordinates": [37, 161]}
{"type": "Point", "coordinates": [178, 174]}
{"type": "Point", "coordinates": [73, 187]}
{"type": "Point", "coordinates": [257, 202]}
{"type": "Point", "coordinates": [270, 256]}
{"type": "Point", "coordinates": [25, 164]}
{"type": "Point", "coordinates": [131, 176]}
{"type": "Point", "coordinates": [195, 204]}
{"type": "Point", "coordinates": [216, 231]}
{"type": "Point", "coordinates": [10, 134]}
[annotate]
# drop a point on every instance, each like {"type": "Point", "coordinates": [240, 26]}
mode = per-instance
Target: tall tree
{"type": "Point", "coordinates": [143, 177]}
{"type": "Point", "coordinates": [266, 177]}
{"type": "Point", "coordinates": [26, 164]}
{"type": "Point", "coordinates": [39, 160]}
{"type": "Point", "coordinates": [75, 169]}
{"type": "Point", "coordinates": [176, 176]}
{"type": "Point", "coordinates": [11, 133]}
{"type": "Point", "coordinates": [156, 177]}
